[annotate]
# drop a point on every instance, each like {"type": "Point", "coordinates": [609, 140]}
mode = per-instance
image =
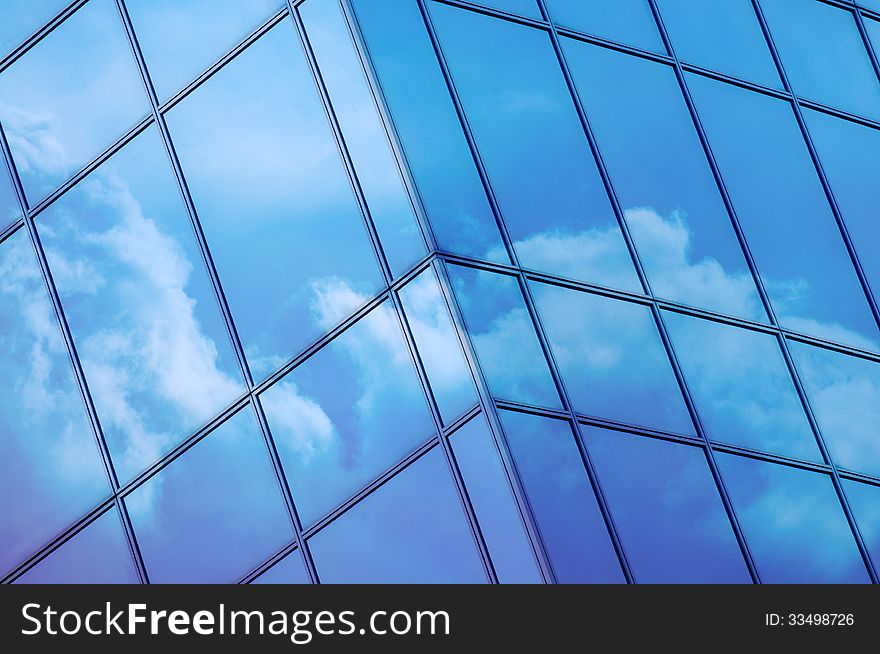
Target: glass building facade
{"type": "Point", "coordinates": [517, 291]}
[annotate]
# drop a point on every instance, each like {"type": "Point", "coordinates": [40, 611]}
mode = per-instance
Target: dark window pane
{"type": "Point", "coordinates": [364, 134]}
{"type": "Point", "coordinates": [429, 129]}
{"type": "Point", "coordinates": [411, 530]}
{"type": "Point", "coordinates": [741, 387]}
{"type": "Point", "coordinates": [864, 499]}
{"type": "Point", "coordinates": [290, 570]}
{"type": "Point", "coordinates": [667, 509]}
{"type": "Point", "coordinates": [627, 21]}
{"type": "Point", "coordinates": [278, 211]}
{"type": "Point", "coordinates": [666, 189]}
{"type": "Point", "coordinates": [20, 18]}
{"type": "Point", "coordinates": [562, 499]}
{"type": "Point", "coordinates": [722, 35]}
{"type": "Point", "coordinates": [214, 513]}
{"type": "Point", "coordinates": [611, 359]}
{"type": "Point", "coordinates": [347, 414]}
{"type": "Point", "coordinates": [844, 393]}
{"type": "Point", "coordinates": [793, 522]}
{"type": "Point", "coordinates": [784, 212]}
{"type": "Point", "coordinates": [70, 96]}
{"type": "Point", "coordinates": [490, 493]}
{"type": "Point", "coordinates": [50, 467]}
{"type": "Point", "coordinates": [534, 147]}
{"type": "Point", "coordinates": [504, 337]}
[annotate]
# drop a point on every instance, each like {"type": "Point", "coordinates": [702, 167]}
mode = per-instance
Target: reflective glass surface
{"type": "Point", "coordinates": [9, 208]}
{"type": "Point", "coordinates": [18, 18]}
{"type": "Point", "coordinates": [290, 570]}
{"type": "Point", "coordinates": [865, 502]}
{"type": "Point", "coordinates": [628, 21]}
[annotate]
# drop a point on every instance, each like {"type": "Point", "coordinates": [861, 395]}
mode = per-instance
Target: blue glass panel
{"type": "Point", "coordinates": [290, 570]}
{"type": "Point", "coordinates": [504, 337]}
{"type": "Point", "coordinates": [70, 96]}
{"type": "Point", "coordinates": [430, 132]}
{"type": "Point", "coordinates": [663, 181]}
{"type": "Point", "coordinates": [741, 386]}
{"type": "Point", "coordinates": [96, 555]}
{"type": "Point", "coordinates": [528, 8]}
{"type": "Point", "coordinates": [667, 509]}
{"type": "Point", "coordinates": [49, 463]}
{"type": "Point", "coordinates": [844, 393]}
{"type": "Point", "coordinates": [332, 416]}
{"type": "Point", "coordinates": [141, 308]}
{"type": "Point", "coordinates": [20, 18]}
{"type": "Point", "coordinates": [489, 491]}
{"type": "Point", "coordinates": [864, 499]}
{"type": "Point", "coordinates": [410, 530]}
{"type": "Point", "coordinates": [823, 55]}
{"type": "Point", "coordinates": [9, 208]}
{"type": "Point", "coordinates": [561, 499]}
{"type": "Point", "coordinates": [215, 512]}
{"type": "Point", "coordinates": [873, 29]}
{"type": "Point", "coordinates": [364, 134]}
{"type": "Point", "coordinates": [180, 40]}
{"type": "Point", "coordinates": [626, 21]}
{"type": "Point", "coordinates": [724, 36]}
{"type": "Point", "coordinates": [438, 346]}
{"type": "Point", "coordinates": [611, 359]}
{"type": "Point", "coordinates": [301, 260]}
{"type": "Point", "coordinates": [537, 155]}
{"type": "Point", "coordinates": [784, 213]}
{"type": "Point", "coordinates": [850, 155]}
{"type": "Point", "coordinates": [796, 529]}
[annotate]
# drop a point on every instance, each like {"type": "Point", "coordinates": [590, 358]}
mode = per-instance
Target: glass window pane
{"type": "Point", "coordinates": [410, 530]}
{"type": "Point", "coordinates": [364, 134]}
{"type": "Point", "coordinates": [630, 22]}
{"type": "Point", "coordinates": [290, 570]}
{"type": "Point", "coordinates": [301, 260]}
{"type": "Point", "coordinates": [611, 359]}
{"type": "Point", "coordinates": [504, 337]}
{"type": "Point", "coordinates": [536, 153]}
{"type": "Point", "coordinates": [528, 8]}
{"type": "Point", "coordinates": [784, 213]}
{"type": "Point", "coordinates": [724, 36]}
{"type": "Point", "coordinates": [140, 305]}
{"type": "Point", "coordinates": [49, 462]}
{"type": "Point", "coordinates": [793, 523]}
{"type": "Point", "coordinates": [562, 499]}
{"type": "Point", "coordinates": [180, 40]}
{"type": "Point", "coordinates": [331, 415]}
{"type": "Point", "coordinates": [489, 491]}
{"type": "Point", "coordinates": [844, 393]}
{"type": "Point", "coordinates": [430, 132]}
{"type": "Point", "coordinates": [438, 346]}
{"type": "Point", "coordinates": [70, 96]}
{"type": "Point", "coordinates": [873, 29]}
{"type": "Point", "coordinates": [663, 181]}
{"type": "Point", "coordinates": [823, 55]}
{"type": "Point", "coordinates": [741, 387]}
{"type": "Point", "coordinates": [864, 499]}
{"type": "Point", "coordinates": [9, 207]}
{"type": "Point", "coordinates": [97, 555]}
{"type": "Point", "coordinates": [20, 18]}
{"type": "Point", "coordinates": [215, 512]}
{"type": "Point", "coordinates": [667, 509]}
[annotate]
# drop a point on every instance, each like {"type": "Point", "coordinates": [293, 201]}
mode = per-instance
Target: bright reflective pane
{"type": "Point", "coordinates": [611, 359]}
{"type": "Point", "coordinates": [180, 40]}
{"type": "Point", "coordinates": [214, 513]}
{"type": "Point", "coordinates": [364, 134]}
{"type": "Point", "coordinates": [793, 522]}
{"type": "Point", "coordinates": [285, 231]}
{"type": "Point", "coordinates": [528, 8]}
{"type": "Point", "coordinates": [741, 387]}
{"type": "Point", "coordinates": [347, 414]}
{"type": "Point", "coordinates": [50, 468]}
{"type": "Point", "coordinates": [140, 305]}
{"type": "Point", "coordinates": [722, 35]}
{"type": "Point", "coordinates": [430, 133]}
{"type": "Point", "coordinates": [70, 97]}
{"type": "Point", "coordinates": [534, 147]}
{"type": "Point", "coordinates": [864, 499]}
{"type": "Point", "coordinates": [96, 555]}
{"type": "Point", "coordinates": [785, 215]}
{"type": "Point", "coordinates": [666, 189]}
{"type": "Point", "coordinates": [626, 21]}
{"type": "Point", "coordinates": [9, 207]}
{"type": "Point", "coordinates": [290, 570]}
{"type": "Point", "coordinates": [561, 498]}
{"type": "Point", "coordinates": [823, 55]}
{"type": "Point", "coordinates": [410, 530]}
{"type": "Point", "coordinates": [504, 337]}
{"type": "Point", "coordinates": [20, 18]}
{"type": "Point", "coordinates": [667, 509]}
{"type": "Point", "coordinates": [844, 392]}
{"type": "Point", "coordinates": [489, 490]}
